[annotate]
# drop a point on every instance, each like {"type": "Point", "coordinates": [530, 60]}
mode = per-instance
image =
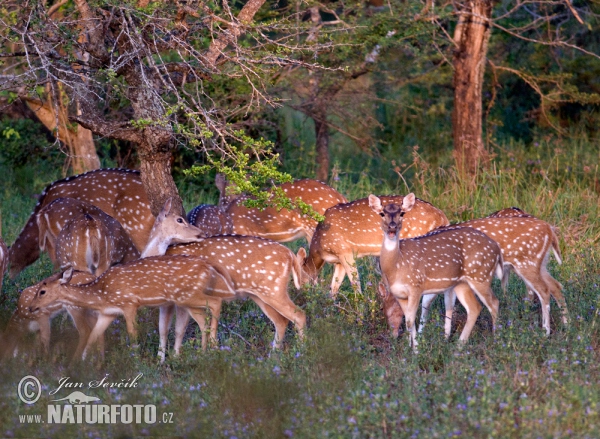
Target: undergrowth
{"type": "Point", "coordinates": [349, 378]}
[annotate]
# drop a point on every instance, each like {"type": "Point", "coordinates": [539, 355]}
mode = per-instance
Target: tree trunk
{"type": "Point", "coordinates": [471, 36]}
{"type": "Point", "coordinates": [82, 155]}
{"type": "Point", "coordinates": [322, 145]}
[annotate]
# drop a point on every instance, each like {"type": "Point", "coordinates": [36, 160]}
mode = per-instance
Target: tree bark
{"type": "Point", "coordinates": [54, 114]}
{"type": "Point", "coordinates": [322, 145]}
{"type": "Point", "coordinates": [471, 36]}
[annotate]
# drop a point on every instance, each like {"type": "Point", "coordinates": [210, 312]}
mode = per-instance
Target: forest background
{"type": "Point", "coordinates": [474, 106]}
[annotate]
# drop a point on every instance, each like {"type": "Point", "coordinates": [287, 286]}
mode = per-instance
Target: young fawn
{"type": "Point", "coordinates": [352, 230]}
{"type": "Point", "coordinates": [463, 260]}
{"type": "Point", "coordinates": [189, 282]}
{"type": "Point", "coordinates": [526, 243]}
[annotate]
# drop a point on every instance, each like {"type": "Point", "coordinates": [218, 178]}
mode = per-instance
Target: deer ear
{"type": "Point", "coordinates": [301, 255]}
{"type": "Point", "coordinates": [67, 275]}
{"type": "Point", "coordinates": [375, 204]}
{"type": "Point", "coordinates": [383, 292]}
{"type": "Point", "coordinates": [166, 209]}
{"type": "Point", "coordinates": [221, 183]}
{"type": "Point", "coordinates": [408, 202]}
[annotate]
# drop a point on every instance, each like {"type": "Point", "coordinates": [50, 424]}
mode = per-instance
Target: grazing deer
{"type": "Point", "coordinates": [154, 281]}
{"type": "Point", "coordinates": [23, 319]}
{"type": "Point", "coordinates": [391, 309]}
{"type": "Point", "coordinates": [118, 192]}
{"type": "Point", "coordinates": [353, 230]}
{"type": "Point", "coordinates": [259, 269]}
{"type": "Point", "coordinates": [463, 260]}
{"type": "Point", "coordinates": [281, 225]}
{"type": "Point", "coordinates": [93, 244]}
{"type": "Point", "coordinates": [211, 220]}
{"type": "Point", "coordinates": [526, 243]}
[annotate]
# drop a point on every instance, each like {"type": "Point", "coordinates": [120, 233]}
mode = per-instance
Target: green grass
{"type": "Point", "coordinates": [349, 378]}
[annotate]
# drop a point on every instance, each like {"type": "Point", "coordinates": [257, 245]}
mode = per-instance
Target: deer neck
{"type": "Point", "coordinates": [157, 246]}
{"type": "Point", "coordinates": [390, 252]}
{"type": "Point", "coordinates": [83, 296]}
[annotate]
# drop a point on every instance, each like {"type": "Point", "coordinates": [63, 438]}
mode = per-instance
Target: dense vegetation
{"type": "Point", "coordinates": [349, 378]}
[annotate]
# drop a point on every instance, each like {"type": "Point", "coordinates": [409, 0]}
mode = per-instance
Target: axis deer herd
{"type": "Point", "coordinates": [114, 257]}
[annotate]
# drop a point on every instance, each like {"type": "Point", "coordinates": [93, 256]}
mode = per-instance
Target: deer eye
{"type": "Point", "coordinates": [42, 292]}
{"type": "Point", "coordinates": [382, 214]}
{"type": "Point", "coordinates": [402, 213]}
{"type": "Point", "coordinates": [180, 220]}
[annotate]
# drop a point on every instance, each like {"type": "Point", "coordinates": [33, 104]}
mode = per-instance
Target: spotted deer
{"type": "Point", "coordinates": [211, 220]}
{"type": "Point", "coordinates": [24, 320]}
{"type": "Point", "coordinates": [93, 243]}
{"type": "Point", "coordinates": [259, 269]}
{"type": "Point", "coordinates": [352, 230]}
{"type": "Point", "coordinates": [526, 243]}
{"type": "Point", "coordinates": [281, 225]}
{"type": "Point", "coordinates": [189, 282]}
{"type": "Point", "coordinates": [509, 212]}
{"type": "Point", "coordinates": [462, 260]}
{"type": "Point", "coordinates": [118, 192]}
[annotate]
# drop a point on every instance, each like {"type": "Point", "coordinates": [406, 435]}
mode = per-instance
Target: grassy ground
{"type": "Point", "coordinates": [349, 378]}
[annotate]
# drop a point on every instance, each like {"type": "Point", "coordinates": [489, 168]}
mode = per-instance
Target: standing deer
{"type": "Point", "coordinates": [23, 319]}
{"type": "Point", "coordinates": [211, 220]}
{"type": "Point", "coordinates": [93, 243]}
{"type": "Point", "coordinates": [190, 282]}
{"type": "Point", "coordinates": [118, 192]}
{"type": "Point", "coordinates": [259, 269]}
{"type": "Point", "coordinates": [463, 260]}
{"type": "Point", "coordinates": [353, 230]}
{"type": "Point", "coordinates": [280, 225]}
{"type": "Point", "coordinates": [526, 243]}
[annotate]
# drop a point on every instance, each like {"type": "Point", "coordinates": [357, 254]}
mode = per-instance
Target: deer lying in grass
{"type": "Point", "coordinates": [187, 281]}
{"type": "Point", "coordinates": [24, 320]}
{"type": "Point", "coordinates": [463, 260]}
{"type": "Point", "coordinates": [352, 230]}
{"type": "Point", "coordinates": [259, 269]}
{"type": "Point", "coordinates": [118, 192]}
{"type": "Point", "coordinates": [211, 220]}
{"type": "Point", "coordinates": [526, 243]}
{"type": "Point", "coordinates": [280, 225]}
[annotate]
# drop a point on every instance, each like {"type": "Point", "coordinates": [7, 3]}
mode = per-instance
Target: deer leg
{"type": "Point", "coordinates": [534, 281]}
{"type": "Point", "coordinates": [349, 265]}
{"type": "Point", "coordinates": [199, 316]}
{"type": "Point", "coordinates": [555, 289]}
{"type": "Point", "coordinates": [44, 324]}
{"type": "Point", "coordinates": [338, 277]}
{"type": "Point", "coordinates": [130, 319]}
{"type": "Point", "coordinates": [483, 290]}
{"type": "Point", "coordinates": [182, 318]}
{"type": "Point", "coordinates": [83, 328]}
{"type": "Point", "coordinates": [425, 307]}
{"type": "Point", "coordinates": [469, 301]}
{"type": "Point", "coordinates": [164, 321]}
{"type": "Point", "coordinates": [101, 325]}
{"type": "Point", "coordinates": [278, 320]}
{"type": "Point", "coordinates": [410, 307]}
{"type": "Point", "coordinates": [449, 301]}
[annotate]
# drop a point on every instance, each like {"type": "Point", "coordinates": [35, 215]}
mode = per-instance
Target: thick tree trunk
{"type": "Point", "coordinates": [471, 36]}
{"type": "Point", "coordinates": [82, 155]}
{"type": "Point", "coordinates": [322, 146]}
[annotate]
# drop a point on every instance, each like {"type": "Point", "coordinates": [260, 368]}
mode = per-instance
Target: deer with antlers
{"type": "Point", "coordinates": [118, 192]}
{"type": "Point", "coordinates": [526, 243]}
{"type": "Point", "coordinates": [352, 230]}
{"type": "Point", "coordinates": [462, 260]}
{"type": "Point", "coordinates": [153, 281]}
{"type": "Point", "coordinates": [280, 225]}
